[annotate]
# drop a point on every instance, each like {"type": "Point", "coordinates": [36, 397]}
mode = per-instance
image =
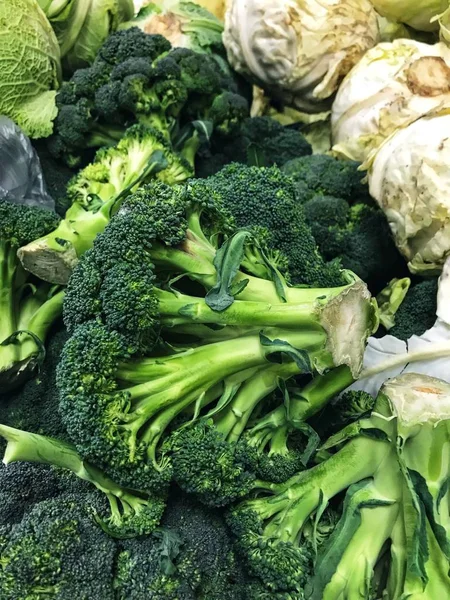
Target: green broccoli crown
{"type": "Point", "coordinates": [274, 456]}
{"type": "Point", "coordinates": [58, 550]}
{"type": "Point", "coordinates": [355, 231]}
{"type": "Point", "coordinates": [276, 144]}
{"type": "Point", "coordinates": [130, 44]}
{"type": "Point", "coordinates": [265, 198]}
{"type": "Point", "coordinates": [21, 224]}
{"type": "Point", "coordinates": [417, 313]}
{"type": "Point", "coordinates": [204, 464]}
{"type": "Point", "coordinates": [199, 72]}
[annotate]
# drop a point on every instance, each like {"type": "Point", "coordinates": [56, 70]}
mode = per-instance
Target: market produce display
{"type": "Point", "coordinates": [224, 323]}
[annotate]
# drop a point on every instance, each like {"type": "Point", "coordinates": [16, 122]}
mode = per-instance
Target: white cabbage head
{"type": "Point", "coordinates": [419, 14]}
{"type": "Point", "coordinates": [298, 50]}
{"type": "Point", "coordinates": [409, 177]}
{"type": "Point", "coordinates": [393, 85]}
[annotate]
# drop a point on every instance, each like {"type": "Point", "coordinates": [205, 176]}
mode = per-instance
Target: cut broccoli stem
{"type": "Point", "coordinates": [190, 309]}
{"type": "Point", "coordinates": [8, 307]}
{"type": "Point", "coordinates": [398, 556]}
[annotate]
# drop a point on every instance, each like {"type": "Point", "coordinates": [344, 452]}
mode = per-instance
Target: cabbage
{"type": "Point", "coordinates": [415, 13]}
{"type": "Point", "coordinates": [298, 50]}
{"type": "Point", "coordinates": [81, 26]}
{"type": "Point", "coordinates": [183, 23]}
{"type": "Point", "coordinates": [393, 85]}
{"type": "Point", "coordinates": [30, 67]}
{"type": "Point", "coordinates": [409, 177]}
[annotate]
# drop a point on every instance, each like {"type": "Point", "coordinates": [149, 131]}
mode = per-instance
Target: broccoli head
{"type": "Point", "coordinates": [417, 313]}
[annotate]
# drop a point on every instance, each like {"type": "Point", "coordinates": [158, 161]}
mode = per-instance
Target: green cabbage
{"type": "Point", "coordinates": [81, 26]}
{"type": "Point", "coordinates": [30, 67]}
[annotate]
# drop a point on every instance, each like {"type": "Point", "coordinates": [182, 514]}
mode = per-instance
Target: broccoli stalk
{"type": "Point", "coordinates": [133, 513]}
{"type": "Point", "coordinates": [28, 306]}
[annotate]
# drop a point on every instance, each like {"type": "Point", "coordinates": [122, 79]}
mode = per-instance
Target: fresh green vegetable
{"type": "Point", "coordinates": [28, 307]}
{"type": "Point", "coordinates": [393, 495]}
{"type": "Point", "coordinates": [81, 26]}
{"type": "Point", "coordinates": [96, 192]}
{"type": "Point", "coordinates": [31, 69]}
{"type": "Point", "coordinates": [137, 78]}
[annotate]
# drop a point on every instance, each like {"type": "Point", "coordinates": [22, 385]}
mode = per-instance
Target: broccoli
{"type": "Point", "coordinates": [95, 193]}
{"type": "Point", "coordinates": [137, 78]}
{"type": "Point", "coordinates": [257, 141]}
{"type": "Point", "coordinates": [265, 199]}
{"type": "Point", "coordinates": [131, 513]}
{"type": "Point", "coordinates": [417, 313]}
{"type": "Point", "coordinates": [134, 335]}
{"type": "Point", "coordinates": [324, 175]}
{"type": "Point", "coordinates": [393, 492]}
{"type": "Point", "coordinates": [34, 407]}
{"type": "Point", "coordinates": [346, 224]}
{"type": "Point", "coordinates": [28, 307]}
{"type": "Point", "coordinates": [57, 551]}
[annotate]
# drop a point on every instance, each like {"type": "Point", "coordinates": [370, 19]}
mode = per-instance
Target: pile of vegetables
{"type": "Point", "coordinates": [224, 343]}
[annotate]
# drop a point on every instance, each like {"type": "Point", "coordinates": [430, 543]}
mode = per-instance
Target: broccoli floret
{"type": "Point", "coordinates": [257, 141]}
{"type": "Point", "coordinates": [95, 193]}
{"type": "Point", "coordinates": [417, 313]}
{"type": "Point", "coordinates": [264, 198]}
{"type": "Point", "coordinates": [358, 235]}
{"type": "Point", "coordinates": [28, 307]}
{"type": "Point", "coordinates": [57, 551]}
{"type": "Point", "coordinates": [22, 485]}
{"type": "Point", "coordinates": [278, 532]}
{"type": "Point", "coordinates": [328, 176]}
{"type": "Point", "coordinates": [120, 511]}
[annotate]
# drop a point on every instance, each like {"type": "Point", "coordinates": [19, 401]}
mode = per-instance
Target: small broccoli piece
{"type": "Point", "coordinates": [227, 112]}
{"type": "Point", "coordinates": [28, 307]}
{"type": "Point", "coordinates": [35, 406]}
{"type": "Point", "coordinates": [327, 176]}
{"type": "Point", "coordinates": [417, 313]}
{"type": "Point", "coordinates": [57, 551]}
{"type": "Point", "coordinates": [131, 513]}
{"type": "Point", "coordinates": [95, 193]}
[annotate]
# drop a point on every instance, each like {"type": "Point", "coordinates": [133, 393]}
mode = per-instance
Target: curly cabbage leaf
{"type": "Point", "coordinates": [31, 69]}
